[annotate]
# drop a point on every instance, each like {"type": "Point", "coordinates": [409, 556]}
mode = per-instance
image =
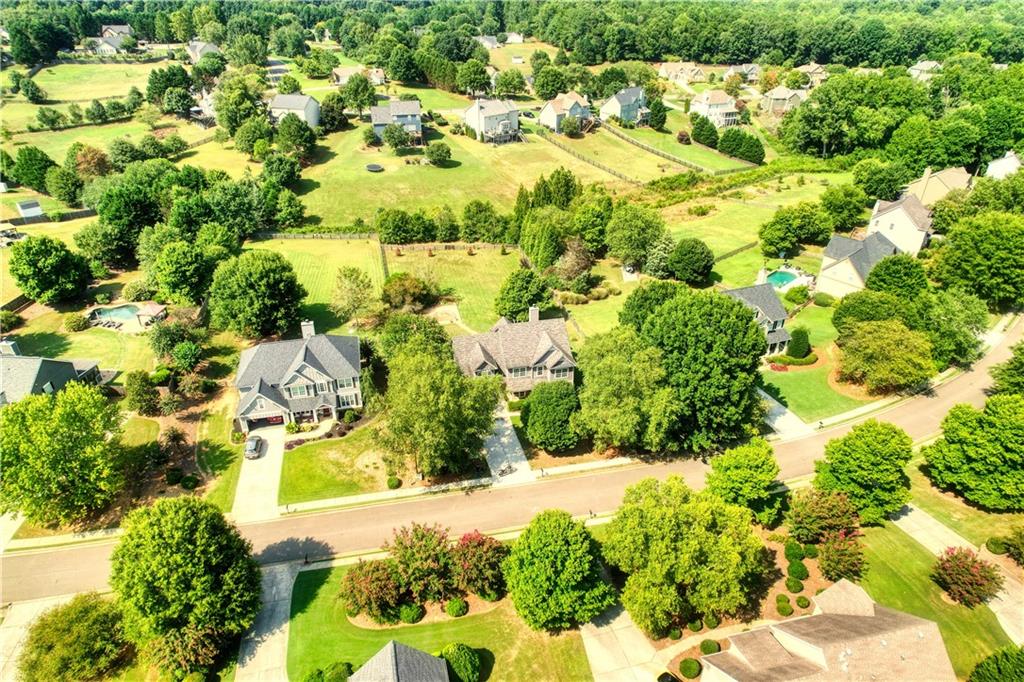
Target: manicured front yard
{"type": "Point", "coordinates": [898, 576]}
{"type": "Point", "coordinates": [216, 454]}
{"type": "Point", "coordinates": [316, 263]}
{"type": "Point", "coordinates": [474, 280]}
{"type": "Point", "coordinates": [334, 467]}
{"type": "Point", "coordinates": [320, 634]}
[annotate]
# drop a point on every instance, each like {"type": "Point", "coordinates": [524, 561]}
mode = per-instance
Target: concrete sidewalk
{"type": "Point", "coordinates": [263, 653]}
{"type": "Point", "coordinates": [1008, 605]}
{"type": "Point", "coordinates": [617, 650]}
{"type": "Point", "coordinates": [782, 420]}
{"type": "Point", "coordinates": [14, 630]}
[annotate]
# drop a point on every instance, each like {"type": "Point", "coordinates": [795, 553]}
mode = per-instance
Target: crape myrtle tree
{"type": "Point", "coordinates": [186, 581]}
{"type": "Point", "coordinates": [554, 575]}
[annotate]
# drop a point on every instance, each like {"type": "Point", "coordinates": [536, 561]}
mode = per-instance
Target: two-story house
{"type": "Point", "coordinates": [114, 30]}
{"type": "Point", "coordinates": [769, 313]}
{"type": "Point", "coordinates": [933, 186]}
{"type": "Point", "coordinates": [493, 120]}
{"type": "Point", "coordinates": [341, 74]}
{"type": "Point", "coordinates": [682, 73]}
{"type": "Point", "coordinates": [23, 375]}
{"type": "Point", "coordinates": [298, 380]}
{"type": "Point", "coordinates": [628, 105]}
{"type": "Point", "coordinates": [196, 49]}
{"type": "Point", "coordinates": [905, 222]}
{"type": "Point", "coordinates": [525, 353]}
{"type": "Point", "coordinates": [108, 45]}
{"type": "Point", "coordinates": [846, 263]}
{"type": "Point", "coordinates": [781, 99]}
{"type": "Point", "coordinates": [565, 104]}
{"type": "Point", "coordinates": [748, 72]}
{"type": "Point", "coordinates": [816, 74]}
{"type": "Point", "coordinates": [405, 113]}
{"type": "Point", "coordinates": [303, 106]}
{"type": "Point", "coordinates": [717, 106]}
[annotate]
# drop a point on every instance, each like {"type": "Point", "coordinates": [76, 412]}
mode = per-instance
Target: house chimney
{"type": "Point", "coordinates": [308, 329]}
{"type": "Point", "coordinates": [534, 313]}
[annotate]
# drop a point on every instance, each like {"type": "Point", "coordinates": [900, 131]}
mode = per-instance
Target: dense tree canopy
{"type": "Point", "coordinates": [255, 294]}
{"type": "Point", "coordinates": [547, 413]}
{"type": "Point", "coordinates": [746, 475]}
{"type": "Point", "coordinates": [985, 255]}
{"type": "Point", "coordinates": [46, 270]}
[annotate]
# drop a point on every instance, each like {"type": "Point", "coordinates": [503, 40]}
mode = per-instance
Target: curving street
{"type": "Point", "coordinates": [49, 572]}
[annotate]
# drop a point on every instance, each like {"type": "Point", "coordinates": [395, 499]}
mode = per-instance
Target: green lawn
{"type": "Point", "coordinates": [316, 262]}
{"type": "Point", "coordinates": [320, 634]}
{"type": "Point", "coordinates": [665, 140]}
{"type": "Point", "coordinates": [216, 454]}
{"type": "Point", "coordinates": [501, 58]}
{"type": "Point", "coordinates": [730, 224]}
{"type": "Point", "coordinates": [45, 336]}
{"type": "Point", "coordinates": [605, 148]}
{"type": "Point", "coordinates": [430, 98]}
{"type": "Point", "coordinates": [139, 431]}
{"type": "Point", "coordinates": [898, 577]}
{"type": "Point", "coordinates": [972, 523]}
{"type": "Point", "coordinates": [597, 317]}
{"type": "Point", "coordinates": [56, 142]}
{"type": "Point", "coordinates": [85, 82]}
{"type": "Point", "coordinates": [476, 171]}
{"type": "Point", "coordinates": [329, 468]}
{"type": "Point", "coordinates": [10, 199]}
{"type": "Point", "coordinates": [474, 280]}
{"type": "Point", "coordinates": [214, 156]}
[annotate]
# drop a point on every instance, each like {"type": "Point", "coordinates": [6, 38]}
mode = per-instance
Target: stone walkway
{"type": "Point", "coordinates": [618, 651]}
{"type": "Point", "coordinates": [934, 536]}
{"type": "Point", "coordinates": [263, 653]}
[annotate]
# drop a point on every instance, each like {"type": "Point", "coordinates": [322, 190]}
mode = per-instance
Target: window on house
{"type": "Point", "coordinates": [562, 372]}
{"type": "Point", "coordinates": [298, 391]}
{"type": "Point", "coordinates": [539, 371]}
{"type": "Point", "coordinates": [346, 382]}
{"type": "Point", "coordinates": [48, 387]}
{"type": "Point", "coordinates": [260, 403]}
{"type": "Point", "coordinates": [349, 401]}
{"type": "Point", "coordinates": [483, 372]}
{"type": "Point", "coordinates": [321, 387]}
{"type": "Point", "coordinates": [517, 372]}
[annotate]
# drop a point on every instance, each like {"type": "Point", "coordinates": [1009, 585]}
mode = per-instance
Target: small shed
{"type": "Point", "coordinates": [30, 208]}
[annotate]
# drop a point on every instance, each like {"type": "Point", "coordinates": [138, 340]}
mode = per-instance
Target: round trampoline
{"type": "Point", "coordinates": [374, 167]}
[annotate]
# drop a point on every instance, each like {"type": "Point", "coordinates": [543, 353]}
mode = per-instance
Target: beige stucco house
{"type": "Point", "coordinates": [932, 187]}
{"type": "Point", "coordinates": [905, 222]}
{"type": "Point", "coordinates": [847, 262]}
{"type": "Point", "coordinates": [815, 72]}
{"type": "Point", "coordinates": [781, 99]}
{"type": "Point", "coordinates": [682, 73]}
{"type": "Point", "coordinates": [565, 104]}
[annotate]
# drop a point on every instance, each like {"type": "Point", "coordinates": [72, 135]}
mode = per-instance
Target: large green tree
{"type": "Point", "coordinates": [445, 433]}
{"type": "Point", "coordinates": [255, 294]}
{"type": "Point", "coordinates": [186, 581]}
{"type": "Point", "coordinates": [521, 290]}
{"type": "Point", "coordinates": [46, 270]}
{"type": "Point", "coordinates": [746, 475]}
{"type": "Point", "coordinates": [886, 357]}
{"type": "Point", "coordinates": [1008, 377]}
{"type": "Point", "coordinates": [547, 413]}
{"type": "Point", "coordinates": [868, 464]}
{"type": "Point", "coordinates": [631, 232]}
{"type": "Point", "coordinates": [542, 235]}
{"type": "Point", "coordinates": [553, 574]}
{"type": "Point", "coordinates": [182, 271]}
{"type": "Point", "coordinates": [979, 454]}
{"type": "Point", "coordinates": [901, 275]}
{"type": "Point", "coordinates": [61, 455]}
{"type": "Point", "coordinates": [985, 256]}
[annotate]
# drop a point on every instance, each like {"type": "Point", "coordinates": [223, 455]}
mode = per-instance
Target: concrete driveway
{"type": "Point", "coordinates": [260, 479]}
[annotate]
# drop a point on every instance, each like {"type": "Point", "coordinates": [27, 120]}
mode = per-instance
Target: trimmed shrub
{"type": "Point", "coordinates": [794, 585]}
{"type": "Point", "coordinates": [675, 633]}
{"type": "Point", "coordinates": [456, 607]}
{"type": "Point", "coordinates": [463, 662]}
{"type": "Point", "coordinates": [798, 294]}
{"type": "Point", "coordinates": [803, 602]}
{"type": "Point", "coordinates": [1015, 544]}
{"type": "Point", "coordinates": [966, 578]}
{"type": "Point", "coordinates": [174, 475]}
{"type": "Point", "coordinates": [794, 552]}
{"type": "Point", "coordinates": [546, 415]}
{"type": "Point", "coordinates": [350, 417]}
{"type": "Point", "coordinates": [695, 625]}
{"type": "Point", "coordinates": [799, 343]}
{"type": "Point", "coordinates": [797, 570]}
{"type": "Point", "coordinates": [9, 320]}
{"type": "Point", "coordinates": [189, 482]}
{"type": "Point", "coordinates": [411, 613]}
{"type": "Point", "coordinates": [790, 360]}
{"type": "Point", "coordinates": [394, 482]}
{"type": "Point", "coordinates": [811, 551]}
{"type": "Point", "coordinates": [824, 300]}
{"type": "Point", "coordinates": [689, 668]}
{"type": "Point", "coordinates": [102, 298]}
{"type": "Point", "coordinates": [784, 609]}
{"type": "Point", "coordinates": [711, 622]}
{"type": "Point", "coordinates": [710, 646]}
{"type": "Point", "coordinates": [996, 545]}
{"type": "Point", "coordinates": [75, 322]}
{"type": "Point", "coordinates": [781, 598]}
{"type": "Point", "coordinates": [137, 290]}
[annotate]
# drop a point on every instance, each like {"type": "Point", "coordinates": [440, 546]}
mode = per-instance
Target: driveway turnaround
{"type": "Point", "coordinates": [260, 479]}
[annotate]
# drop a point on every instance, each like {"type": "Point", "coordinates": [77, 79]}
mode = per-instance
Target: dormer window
{"type": "Point", "coordinates": [298, 391]}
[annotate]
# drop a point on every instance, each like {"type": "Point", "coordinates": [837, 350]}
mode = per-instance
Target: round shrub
{"type": "Point", "coordinates": [189, 482]}
{"type": "Point", "coordinates": [9, 320]}
{"type": "Point", "coordinates": [803, 602]}
{"type": "Point", "coordinates": [781, 598]}
{"type": "Point", "coordinates": [137, 290]}
{"type": "Point", "coordinates": [350, 417]}
{"type": "Point", "coordinates": [463, 662]}
{"type": "Point", "coordinates": [794, 585]}
{"type": "Point", "coordinates": [710, 646]}
{"type": "Point", "coordinates": [394, 482]}
{"type": "Point", "coordinates": [75, 322]}
{"type": "Point", "coordinates": [174, 475]}
{"type": "Point", "coordinates": [797, 570]}
{"type": "Point", "coordinates": [711, 621]}
{"type": "Point", "coordinates": [966, 578]}
{"type": "Point", "coordinates": [824, 300]}
{"type": "Point", "coordinates": [411, 613]}
{"type": "Point", "coordinates": [689, 668]}
{"type": "Point", "coordinates": [784, 609]}
{"type": "Point", "coordinates": [103, 298]}
{"type": "Point", "coordinates": [456, 607]}
{"type": "Point", "coordinates": [695, 625]}
{"type": "Point", "coordinates": [996, 545]}
{"type": "Point", "coordinates": [794, 552]}
{"type": "Point", "coordinates": [675, 633]}
{"type": "Point", "coordinates": [811, 551]}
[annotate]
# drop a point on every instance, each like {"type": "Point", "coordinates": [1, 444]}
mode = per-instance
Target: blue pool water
{"type": "Point", "coordinates": [121, 313]}
{"type": "Point", "coordinates": [780, 278]}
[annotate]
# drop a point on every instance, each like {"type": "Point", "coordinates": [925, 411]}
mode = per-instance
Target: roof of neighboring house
{"type": "Point", "coordinates": [22, 375]}
{"type": "Point", "coordinates": [515, 344]}
{"type": "Point", "coordinates": [714, 97]}
{"type": "Point", "coordinates": [946, 179]}
{"type": "Point", "coordinates": [813, 67]}
{"type": "Point", "coordinates": [487, 41]}
{"type": "Point", "coordinates": [195, 48]}
{"type": "Point", "coordinates": [926, 65]}
{"type": "Point", "coordinates": [400, 663]}
{"type": "Point", "coordinates": [849, 637]}
{"type": "Point", "coordinates": [494, 107]}
{"type": "Point", "coordinates": [864, 254]}
{"type": "Point", "coordinates": [275, 361]}
{"type": "Point", "coordinates": [375, 72]}
{"type": "Point", "coordinates": [911, 205]}
{"type": "Point", "coordinates": [117, 28]}
{"type": "Point", "coordinates": [346, 71]}
{"type": "Point", "coordinates": [564, 100]}
{"type": "Point", "coordinates": [782, 92]}
{"type": "Point", "coordinates": [628, 95]}
{"type": "Point", "coordinates": [761, 297]}
{"type": "Point", "coordinates": [29, 208]}
{"type": "Point", "coordinates": [383, 114]}
{"type": "Point", "coordinates": [1007, 164]}
{"type": "Point", "coordinates": [293, 101]}
{"type": "Point", "coordinates": [113, 41]}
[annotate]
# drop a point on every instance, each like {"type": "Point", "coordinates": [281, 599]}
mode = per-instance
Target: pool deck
{"type": "Point", "coordinates": [129, 325]}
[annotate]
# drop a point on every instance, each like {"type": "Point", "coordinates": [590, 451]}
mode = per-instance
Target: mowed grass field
{"type": "Point", "coordinates": [215, 156]}
{"type": "Point", "coordinates": [329, 468]}
{"type": "Point", "coordinates": [596, 317]}
{"type": "Point", "coordinates": [665, 140]}
{"type": "Point", "coordinates": [85, 82]}
{"type": "Point", "coordinates": [501, 58]}
{"type": "Point", "coordinates": [56, 142]}
{"type": "Point", "coordinates": [339, 189]}
{"type": "Point", "coordinates": [898, 576]}
{"type": "Point", "coordinates": [635, 163]}
{"type": "Point", "coordinates": [474, 280]}
{"type": "Point", "coordinates": [114, 350]}
{"type": "Point", "coordinates": [320, 634]}
{"type": "Point", "coordinates": [316, 262]}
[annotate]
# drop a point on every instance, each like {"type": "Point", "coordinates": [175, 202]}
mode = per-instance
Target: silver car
{"type": "Point", "coordinates": [252, 447]}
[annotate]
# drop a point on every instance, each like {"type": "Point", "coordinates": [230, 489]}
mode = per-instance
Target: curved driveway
{"type": "Point", "coordinates": [35, 574]}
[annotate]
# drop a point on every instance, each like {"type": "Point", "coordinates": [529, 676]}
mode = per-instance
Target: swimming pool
{"type": "Point", "coordinates": [120, 313]}
{"type": "Point", "coordinates": [780, 278]}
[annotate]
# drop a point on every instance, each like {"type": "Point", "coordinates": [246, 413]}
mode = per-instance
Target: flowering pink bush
{"type": "Point", "coordinates": [966, 578]}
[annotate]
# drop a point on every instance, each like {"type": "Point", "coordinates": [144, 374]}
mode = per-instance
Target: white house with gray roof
{"type": "Point", "coordinates": [197, 49]}
{"type": "Point", "coordinates": [493, 120]}
{"type": "Point", "coordinates": [405, 113]}
{"type": "Point", "coordinates": [628, 104]}
{"type": "Point", "coordinates": [397, 662]}
{"type": "Point", "coordinates": [906, 222]}
{"type": "Point", "coordinates": [716, 106]}
{"type": "Point", "coordinates": [303, 106]}
{"type": "Point", "coordinates": [298, 380]}
{"type": "Point", "coordinates": [24, 375]}
{"type": "Point", "coordinates": [524, 353]}
{"type": "Point", "coordinates": [847, 262]}
{"type": "Point", "coordinates": [769, 313]}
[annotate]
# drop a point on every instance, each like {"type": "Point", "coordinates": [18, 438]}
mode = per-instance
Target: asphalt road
{"type": "Point", "coordinates": [36, 574]}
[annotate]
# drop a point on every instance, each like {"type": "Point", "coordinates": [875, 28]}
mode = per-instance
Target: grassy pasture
{"type": "Point", "coordinates": [85, 82]}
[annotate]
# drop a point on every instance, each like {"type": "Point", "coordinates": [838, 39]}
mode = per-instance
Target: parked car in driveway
{"type": "Point", "coordinates": [253, 445]}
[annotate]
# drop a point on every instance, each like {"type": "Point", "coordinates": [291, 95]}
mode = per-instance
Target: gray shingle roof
{"type": "Point", "coordinates": [628, 95]}
{"type": "Point", "coordinates": [400, 663]}
{"type": "Point", "coordinates": [295, 102]}
{"type": "Point", "coordinates": [22, 375]}
{"type": "Point", "coordinates": [761, 297]}
{"type": "Point", "coordinates": [912, 206]}
{"type": "Point", "coordinates": [515, 344]}
{"type": "Point", "coordinates": [382, 114]}
{"type": "Point", "coordinates": [863, 254]}
{"type": "Point", "coordinates": [273, 362]}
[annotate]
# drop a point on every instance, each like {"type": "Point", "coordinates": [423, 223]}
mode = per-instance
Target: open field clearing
{"type": "Point", "coordinates": [56, 142]}
{"type": "Point", "coordinates": [605, 148]}
{"type": "Point", "coordinates": [85, 82]}
{"type": "Point", "coordinates": [501, 58]}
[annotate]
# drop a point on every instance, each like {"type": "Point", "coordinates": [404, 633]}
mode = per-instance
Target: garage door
{"type": "Point", "coordinates": [265, 421]}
